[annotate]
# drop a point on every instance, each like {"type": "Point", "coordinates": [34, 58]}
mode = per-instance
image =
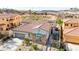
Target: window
{"type": "Point", "coordinates": [71, 24]}
{"type": "Point", "coordinates": [7, 25]}
{"type": "Point", "coordinates": [7, 19]}
{"type": "Point", "coordinates": [6, 28]}
{"type": "Point", "coordinates": [66, 24]}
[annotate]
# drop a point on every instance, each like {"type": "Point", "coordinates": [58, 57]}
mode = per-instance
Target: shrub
{"type": "Point", "coordinates": [35, 47]}
{"type": "Point", "coordinates": [27, 41]}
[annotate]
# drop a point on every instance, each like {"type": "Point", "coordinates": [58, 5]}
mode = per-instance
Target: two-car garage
{"type": "Point", "coordinates": [20, 35]}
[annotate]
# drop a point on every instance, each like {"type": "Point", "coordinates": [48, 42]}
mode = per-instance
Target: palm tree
{"type": "Point", "coordinates": [60, 22]}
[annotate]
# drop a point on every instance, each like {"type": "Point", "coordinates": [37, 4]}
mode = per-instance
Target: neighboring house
{"type": "Point", "coordinates": [8, 21]}
{"type": "Point", "coordinates": [32, 31]}
{"type": "Point", "coordinates": [71, 23]}
{"type": "Point", "coordinates": [71, 34]}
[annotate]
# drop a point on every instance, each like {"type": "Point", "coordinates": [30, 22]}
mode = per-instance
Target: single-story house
{"type": "Point", "coordinates": [32, 31]}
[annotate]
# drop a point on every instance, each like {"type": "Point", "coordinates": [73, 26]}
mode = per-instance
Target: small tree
{"type": "Point", "coordinates": [27, 41]}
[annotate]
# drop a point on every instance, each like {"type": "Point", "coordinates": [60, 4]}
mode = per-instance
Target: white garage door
{"type": "Point", "coordinates": [19, 35]}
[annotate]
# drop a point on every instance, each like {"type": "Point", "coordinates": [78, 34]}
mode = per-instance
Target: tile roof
{"type": "Point", "coordinates": [72, 21]}
{"type": "Point", "coordinates": [65, 31]}
{"type": "Point", "coordinates": [30, 27]}
{"type": "Point", "coordinates": [46, 26]}
{"type": "Point", "coordinates": [72, 36]}
{"type": "Point", "coordinates": [74, 31]}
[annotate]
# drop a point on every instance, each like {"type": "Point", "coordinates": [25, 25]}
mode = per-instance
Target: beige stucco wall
{"type": "Point", "coordinates": [16, 20]}
{"type": "Point", "coordinates": [71, 38]}
{"type": "Point", "coordinates": [70, 25]}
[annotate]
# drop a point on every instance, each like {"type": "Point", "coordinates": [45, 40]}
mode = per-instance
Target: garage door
{"type": "Point", "coordinates": [18, 35]}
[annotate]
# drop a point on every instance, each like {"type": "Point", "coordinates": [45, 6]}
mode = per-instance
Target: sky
{"type": "Point", "coordinates": [39, 4]}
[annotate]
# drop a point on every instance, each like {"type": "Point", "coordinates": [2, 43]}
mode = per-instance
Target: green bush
{"type": "Point", "coordinates": [35, 47]}
{"type": "Point", "coordinates": [55, 44]}
{"type": "Point", "coordinates": [27, 41]}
